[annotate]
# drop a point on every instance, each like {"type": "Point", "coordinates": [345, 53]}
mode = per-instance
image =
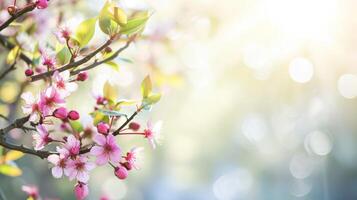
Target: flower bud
{"type": "Point", "coordinates": [82, 76]}
{"type": "Point", "coordinates": [12, 10]}
{"type": "Point", "coordinates": [73, 115]}
{"type": "Point", "coordinates": [28, 72]}
{"type": "Point", "coordinates": [128, 166]}
{"type": "Point", "coordinates": [103, 128]}
{"type": "Point", "coordinates": [101, 100]}
{"type": "Point", "coordinates": [42, 4]}
{"type": "Point", "coordinates": [134, 126]}
{"type": "Point", "coordinates": [81, 191]}
{"type": "Point", "coordinates": [60, 113]}
{"type": "Point", "coordinates": [121, 172]}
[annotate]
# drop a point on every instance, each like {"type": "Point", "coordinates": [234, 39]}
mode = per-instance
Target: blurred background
{"type": "Point", "coordinates": [259, 101]}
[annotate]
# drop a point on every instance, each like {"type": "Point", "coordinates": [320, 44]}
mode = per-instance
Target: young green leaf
{"type": "Point", "coordinates": [85, 31]}
{"type": "Point", "coordinates": [110, 92]}
{"type": "Point", "coordinates": [63, 55]}
{"type": "Point", "coordinates": [11, 57]}
{"type": "Point", "coordinates": [13, 155]}
{"type": "Point", "coordinates": [119, 16]}
{"type": "Point", "coordinates": [146, 87]}
{"type": "Point", "coordinates": [113, 65]}
{"type": "Point", "coordinates": [153, 98]}
{"type": "Point", "coordinates": [112, 113]}
{"type": "Point", "coordinates": [106, 22]}
{"type": "Point", "coordinates": [76, 125]}
{"type": "Point", "coordinates": [135, 24]}
{"type": "Point", "coordinates": [10, 170]}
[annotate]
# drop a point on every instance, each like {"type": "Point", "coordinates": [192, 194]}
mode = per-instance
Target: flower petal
{"type": "Point", "coordinates": [57, 172]}
{"type": "Point", "coordinates": [100, 139]}
{"type": "Point", "coordinates": [96, 150]}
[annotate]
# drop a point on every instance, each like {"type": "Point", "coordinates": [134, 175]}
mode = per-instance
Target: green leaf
{"type": "Point", "coordinates": [63, 54]}
{"type": "Point", "coordinates": [99, 117]}
{"type": "Point", "coordinates": [110, 92]}
{"type": "Point", "coordinates": [135, 24]}
{"type": "Point", "coordinates": [119, 16]}
{"type": "Point", "coordinates": [113, 65]}
{"type": "Point", "coordinates": [85, 31]}
{"type": "Point", "coordinates": [146, 87]}
{"type": "Point", "coordinates": [13, 155]}
{"type": "Point", "coordinates": [76, 126]}
{"type": "Point", "coordinates": [112, 113]}
{"type": "Point", "coordinates": [153, 98]}
{"type": "Point", "coordinates": [11, 57]}
{"type": "Point", "coordinates": [126, 60]}
{"type": "Point", "coordinates": [10, 170]}
{"type": "Point", "coordinates": [106, 22]}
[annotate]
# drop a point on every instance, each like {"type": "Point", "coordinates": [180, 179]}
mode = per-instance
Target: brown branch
{"type": "Point", "coordinates": [23, 149]}
{"type": "Point", "coordinates": [7, 44]}
{"type": "Point", "coordinates": [95, 64]}
{"type": "Point", "coordinates": [28, 8]}
{"type": "Point", "coordinates": [72, 64]}
{"type": "Point", "coordinates": [18, 123]}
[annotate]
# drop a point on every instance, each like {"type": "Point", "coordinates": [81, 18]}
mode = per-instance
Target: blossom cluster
{"type": "Point", "coordinates": [68, 159]}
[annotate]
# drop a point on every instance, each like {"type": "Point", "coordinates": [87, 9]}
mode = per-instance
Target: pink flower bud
{"type": "Point", "coordinates": [134, 126]}
{"type": "Point", "coordinates": [73, 115]}
{"type": "Point", "coordinates": [42, 4]}
{"type": "Point", "coordinates": [121, 172]}
{"type": "Point", "coordinates": [82, 76]}
{"type": "Point", "coordinates": [81, 191]}
{"type": "Point", "coordinates": [28, 72]}
{"type": "Point", "coordinates": [103, 128]}
{"type": "Point", "coordinates": [101, 100]}
{"type": "Point", "coordinates": [60, 113]}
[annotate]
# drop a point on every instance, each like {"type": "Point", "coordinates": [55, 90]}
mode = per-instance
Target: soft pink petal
{"type": "Point", "coordinates": [102, 159]}
{"type": "Point", "coordinates": [28, 97]}
{"type": "Point", "coordinates": [100, 139]}
{"type": "Point", "coordinates": [89, 166]}
{"type": "Point", "coordinates": [83, 177]}
{"type": "Point", "coordinates": [111, 140]}
{"type": "Point", "coordinates": [71, 87]}
{"type": "Point", "coordinates": [96, 150]}
{"type": "Point", "coordinates": [57, 172]}
{"type": "Point", "coordinates": [115, 156]}
{"type": "Point", "coordinates": [53, 159]}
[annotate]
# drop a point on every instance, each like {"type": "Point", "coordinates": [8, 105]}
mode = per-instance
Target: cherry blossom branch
{"type": "Point", "coordinates": [117, 132]}
{"type": "Point", "coordinates": [23, 149]}
{"type": "Point", "coordinates": [18, 123]}
{"type": "Point", "coordinates": [8, 70]}
{"type": "Point", "coordinates": [72, 64]}
{"type": "Point", "coordinates": [18, 13]}
{"type": "Point", "coordinates": [96, 63]}
{"type": "Point", "coordinates": [7, 44]}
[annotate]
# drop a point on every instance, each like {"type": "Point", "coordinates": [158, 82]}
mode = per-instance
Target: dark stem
{"type": "Point", "coordinates": [28, 8]}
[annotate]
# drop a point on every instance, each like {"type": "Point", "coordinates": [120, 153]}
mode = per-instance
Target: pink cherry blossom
{"type": "Point", "coordinates": [49, 99]}
{"type": "Point", "coordinates": [81, 191]}
{"type": "Point", "coordinates": [31, 106]}
{"type": "Point", "coordinates": [152, 133]}
{"type": "Point", "coordinates": [48, 61]}
{"type": "Point", "coordinates": [42, 4]}
{"type": "Point", "coordinates": [71, 147]}
{"type": "Point", "coordinates": [31, 191]}
{"type": "Point", "coordinates": [63, 34]}
{"type": "Point", "coordinates": [59, 162]}
{"type": "Point", "coordinates": [132, 156]}
{"type": "Point", "coordinates": [42, 138]}
{"type": "Point", "coordinates": [79, 169]}
{"type": "Point", "coordinates": [107, 149]}
{"type": "Point", "coordinates": [62, 83]}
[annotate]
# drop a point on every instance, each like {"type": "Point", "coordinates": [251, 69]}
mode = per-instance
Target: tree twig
{"type": "Point", "coordinates": [7, 44]}
{"type": "Point", "coordinates": [95, 64]}
{"type": "Point", "coordinates": [28, 8]}
{"type": "Point", "coordinates": [72, 64]}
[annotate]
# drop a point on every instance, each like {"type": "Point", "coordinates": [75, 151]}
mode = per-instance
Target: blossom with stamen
{"type": "Point", "coordinates": [49, 99]}
{"type": "Point", "coordinates": [107, 149]}
{"type": "Point", "coordinates": [131, 157]}
{"type": "Point", "coordinates": [59, 162]}
{"type": "Point", "coordinates": [79, 169]}
{"type": "Point", "coordinates": [71, 147]}
{"type": "Point", "coordinates": [31, 106]}
{"type": "Point", "coordinates": [62, 82]}
{"type": "Point", "coordinates": [152, 133]}
{"type": "Point", "coordinates": [42, 138]}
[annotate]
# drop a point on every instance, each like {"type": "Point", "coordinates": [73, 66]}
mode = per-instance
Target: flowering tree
{"type": "Point", "coordinates": [61, 66]}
